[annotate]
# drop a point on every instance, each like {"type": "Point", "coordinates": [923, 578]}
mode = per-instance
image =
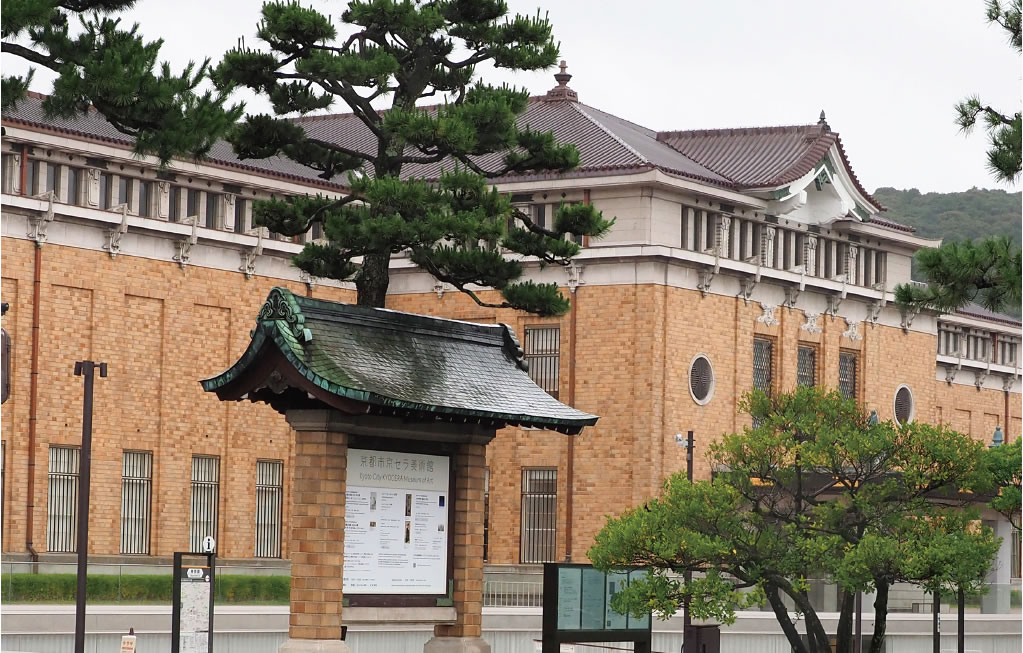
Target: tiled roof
{"type": "Point", "coordinates": [977, 311]}
{"type": "Point", "coordinates": [94, 126]}
{"type": "Point", "coordinates": [405, 364]}
{"type": "Point", "coordinates": [891, 224]}
{"type": "Point", "coordinates": [762, 157]}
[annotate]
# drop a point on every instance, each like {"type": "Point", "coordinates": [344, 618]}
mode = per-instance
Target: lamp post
{"type": "Point", "coordinates": [687, 620]}
{"type": "Point", "coordinates": [86, 369]}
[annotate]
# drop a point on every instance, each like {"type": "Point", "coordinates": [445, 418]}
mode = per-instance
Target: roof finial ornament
{"type": "Point", "coordinates": [562, 91]}
{"type": "Point", "coordinates": [822, 120]}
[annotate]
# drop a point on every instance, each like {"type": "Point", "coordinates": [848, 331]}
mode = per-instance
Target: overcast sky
{"type": "Point", "coordinates": [888, 73]}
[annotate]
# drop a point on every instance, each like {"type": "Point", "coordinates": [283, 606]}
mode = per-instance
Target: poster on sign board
{"type": "Point", "coordinates": [396, 523]}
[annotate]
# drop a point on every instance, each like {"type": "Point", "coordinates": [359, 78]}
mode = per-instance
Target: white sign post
{"type": "Point", "coordinates": [396, 523]}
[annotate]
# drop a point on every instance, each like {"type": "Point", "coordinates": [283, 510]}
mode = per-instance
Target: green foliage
{"type": "Point", "coordinates": [1005, 131]}
{"type": "Point", "coordinates": [457, 228]}
{"type": "Point", "coordinates": [1005, 464]}
{"type": "Point", "coordinates": [988, 272]}
{"type": "Point", "coordinates": [139, 588]}
{"type": "Point", "coordinates": [816, 490]}
{"type": "Point", "coordinates": [116, 71]}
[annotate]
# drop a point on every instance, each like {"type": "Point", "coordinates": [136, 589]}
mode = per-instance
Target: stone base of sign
{"type": "Point", "coordinates": [315, 646]}
{"type": "Point", "coordinates": [456, 645]}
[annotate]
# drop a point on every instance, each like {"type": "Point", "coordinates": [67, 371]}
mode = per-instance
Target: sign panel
{"type": "Point", "coordinates": [128, 644]}
{"type": "Point", "coordinates": [396, 521]}
{"type": "Point", "coordinates": [195, 610]}
{"type": "Point", "coordinates": [584, 599]}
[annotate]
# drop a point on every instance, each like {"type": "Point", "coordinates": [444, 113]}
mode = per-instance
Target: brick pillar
{"type": "Point", "coordinates": [317, 542]}
{"type": "Point", "coordinates": [463, 636]}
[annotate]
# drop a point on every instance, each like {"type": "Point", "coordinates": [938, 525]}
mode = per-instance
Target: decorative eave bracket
{"type": "Point", "coordinates": [876, 306]}
{"type": "Point", "coordinates": [40, 223]}
{"type": "Point", "coordinates": [704, 279]}
{"type": "Point", "coordinates": [113, 244]}
{"type": "Point", "coordinates": [249, 254]}
{"type": "Point", "coordinates": [185, 245]}
{"type": "Point", "coordinates": [791, 296]}
{"type": "Point", "coordinates": [908, 315]}
{"type": "Point", "coordinates": [980, 376]}
{"type": "Point", "coordinates": [575, 276]}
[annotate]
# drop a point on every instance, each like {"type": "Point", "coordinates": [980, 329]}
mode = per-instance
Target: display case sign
{"type": "Point", "coordinates": [192, 611]}
{"type": "Point", "coordinates": [396, 523]}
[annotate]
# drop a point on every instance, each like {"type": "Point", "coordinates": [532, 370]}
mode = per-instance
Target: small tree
{"type": "Point", "coordinates": [987, 272]}
{"type": "Point", "coordinates": [816, 490]}
{"type": "Point", "coordinates": [115, 71]}
{"type": "Point", "coordinates": [1005, 131]}
{"type": "Point", "coordinates": [1006, 467]}
{"type": "Point", "coordinates": [454, 227]}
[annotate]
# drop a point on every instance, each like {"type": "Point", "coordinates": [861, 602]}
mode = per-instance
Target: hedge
{"type": "Point", "coordinates": [61, 588]}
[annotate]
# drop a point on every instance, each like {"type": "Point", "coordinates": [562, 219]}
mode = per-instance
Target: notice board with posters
{"type": "Point", "coordinates": [396, 523]}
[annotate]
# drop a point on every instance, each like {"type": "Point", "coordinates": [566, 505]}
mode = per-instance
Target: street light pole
{"type": "Point", "coordinates": [687, 620]}
{"type": "Point", "coordinates": [86, 369]}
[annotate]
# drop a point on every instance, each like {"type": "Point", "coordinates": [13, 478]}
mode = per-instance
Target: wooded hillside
{"type": "Point", "coordinates": [976, 213]}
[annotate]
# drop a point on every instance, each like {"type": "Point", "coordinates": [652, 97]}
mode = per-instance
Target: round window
{"type": "Point", "coordinates": [904, 406]}
{"type": "Point", "coordinates": [701, 379]}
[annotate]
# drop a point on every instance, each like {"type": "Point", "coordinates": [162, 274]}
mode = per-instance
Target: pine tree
{"type": "Point", "coordinates": [1005, 131]}
{"type": "Point", "coordinates": [456, 227]}
{"type": "Point", "coordinates": [986, 271]}
{"type": "Point", "coordinates": [115, 71]}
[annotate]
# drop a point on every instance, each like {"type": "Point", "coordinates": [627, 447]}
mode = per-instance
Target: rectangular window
{"type": "Point", "coordinates": [145, 199]}
{"type": "Point", "coordinates": [486, 514]}
{"type": "Point", "coordinates": [192, 200]}
{"type": "Point", "coordinates": [539, 525]}
{"type": "Point", "coordinates": [543, 354]}
{"type": "Point", "coordinates": [806, 366]}
{"type": "Point", "coordinates": [847, 371]}
{"type": "Point", "coordinates": [763, 355]}
{"type": "Point", "coordinates": [124, 191]}
{"type": "Point", "coordinates": [53, 179]}
{"type": "Point", "coordinates": [74, 186]}
{"type": "Point", "coordinates": [8, 172]}
{"type": "Point", "coordinates": [62, 500]}
{"type": "Point", "coordinates": [212, 216]}
{"type": "Point", "coordinates": [136, 501]}
{"type": "Point", "coordinates": [1008, 352]}
{"type": "Point", "coordinates": [31, 178]}
{"type": "Point", "coordinates": [1017, 554]}
{"type": "Point", "coordinates": [174, 209]}
{"type": "Point", "coordinates": [106, 183]}
{"type": "Point", "coordinates": [269, 499]}
{"type": "Point", "coordinates": [239, 215]}
{"type": "Point", "coordinates": [540, 215]}
{"type": "Point", "coordinates": [205, 499]}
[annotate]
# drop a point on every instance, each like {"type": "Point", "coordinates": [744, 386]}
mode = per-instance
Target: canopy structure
{"type": "Point", "coordinates": [309, 353]}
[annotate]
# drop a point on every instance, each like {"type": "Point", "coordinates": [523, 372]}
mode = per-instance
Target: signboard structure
{"type": "Point", "coordinates": [192, 611]}
{"type": "Point", "coordinates": [577, 608]}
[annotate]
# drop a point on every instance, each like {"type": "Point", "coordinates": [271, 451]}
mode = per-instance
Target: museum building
{"type": "Point", "coordinates": [739, 259]}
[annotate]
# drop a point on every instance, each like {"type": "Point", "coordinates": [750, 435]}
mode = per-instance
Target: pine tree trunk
{"type": "Point", "coordinates": [373, 279]}
{"type": "Point", "coordinates": [880, 618]}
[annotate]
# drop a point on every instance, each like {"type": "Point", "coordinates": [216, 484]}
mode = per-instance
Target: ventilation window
{"type": "Point", "coordinates": [904, 406]}
{"type": "Point", "coordinates": [701, 380]}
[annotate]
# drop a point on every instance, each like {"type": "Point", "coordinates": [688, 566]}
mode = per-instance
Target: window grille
{"type": "Point", "coordinates": [62, 500]}
{"type": "Point", "coordinates": [903, 405]}
{"type": "Point", "coordinates": [847, 363]}
{"type": "Point", "coordinates": [539, 524]}
{"type": "Point", "coordinates": [543, 354]}
{"type": "Point", "coordinates": [763, 354]}
{"type": "Point", "coordinates": [205, 499]}
{"type": "Point", "coordinates": [701, 379]}
{"type": "Point", "coordinates": [806, 366]}
{"type": "Point", "coordinates": [136, 501]}
{"type": "Point", "coordinates": [486, 514]}
{"type": "Point", "coordinates": [269, 499]}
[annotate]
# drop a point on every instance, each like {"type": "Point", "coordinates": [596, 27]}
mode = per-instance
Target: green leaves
{"type": "Point", "coordinates": [816, 490]}
{"type": "Point", "coordinates": [989, 272]}
{"type": "Point", "coordinates": [116, 71]}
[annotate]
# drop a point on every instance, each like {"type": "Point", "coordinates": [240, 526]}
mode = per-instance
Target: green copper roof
{"type": "Point", "coordinates": [405, 363]}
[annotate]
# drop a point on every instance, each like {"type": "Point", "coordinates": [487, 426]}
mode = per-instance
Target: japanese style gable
{"type": "Point", "coordinates": [309, 353]}
{"type": "Point", "coordinates": [801, 170]}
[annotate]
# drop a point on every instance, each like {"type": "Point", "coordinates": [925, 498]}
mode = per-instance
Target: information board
{"type": "Point", "coordinates": [577, 608]}
{"type": "Point", "coordinates": [396, 523]}
{"type": "Point", "coordinates": [195, 609]}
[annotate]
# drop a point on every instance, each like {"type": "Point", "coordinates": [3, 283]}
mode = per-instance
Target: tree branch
{"type": "Point", "coordinates": [30, 55]}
